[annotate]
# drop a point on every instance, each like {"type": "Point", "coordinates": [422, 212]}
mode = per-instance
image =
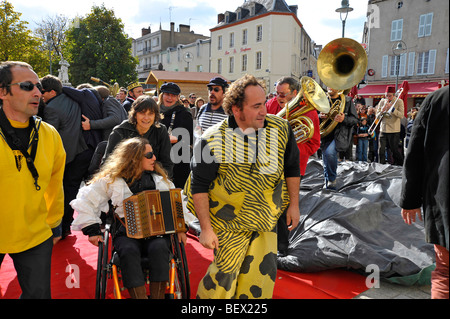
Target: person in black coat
{"type": "Point", "coordinates": [64, 114]}
{"type": "Point", "coordinates": [90, 104]}
{"type": "Point", "coordinates": [144, 121]}
{"type": "Point", "coordinates": [425, 181]}
{"type": "Point", "coordinates": [179, 123]}
{"type": "Point", "coordinates": [339, 139]}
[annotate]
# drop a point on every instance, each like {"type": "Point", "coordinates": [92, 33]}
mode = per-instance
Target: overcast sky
{"type": "Point", "coordinates": [318, 17]}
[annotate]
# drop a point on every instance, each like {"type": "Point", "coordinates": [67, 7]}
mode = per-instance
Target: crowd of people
{"type": "Point", "coordinates": [245, 199]}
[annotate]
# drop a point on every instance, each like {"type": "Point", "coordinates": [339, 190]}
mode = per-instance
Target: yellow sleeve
{"type": "Point", "coordinates": [54, 195]}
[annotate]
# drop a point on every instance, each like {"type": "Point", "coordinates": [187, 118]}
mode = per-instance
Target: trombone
{"type": "Point", "coordinates": [380, 116]}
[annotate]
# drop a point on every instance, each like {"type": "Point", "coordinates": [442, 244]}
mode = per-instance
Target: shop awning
{"type": "Point", "coordinates": [420, 89]}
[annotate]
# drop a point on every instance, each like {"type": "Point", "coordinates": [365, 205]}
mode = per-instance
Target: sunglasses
{"type": "Point", "coordinates": [28, 86]}
{"type": "Point", "coordinates": [281, 95]}
{"type": "Point", "coordinates": [149, 155]}
{"type": "Point", "coordinates": [213, 89]}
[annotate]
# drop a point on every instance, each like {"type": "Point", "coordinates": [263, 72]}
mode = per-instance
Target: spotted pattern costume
{"type": "Point", "coordinates": [244, 176]}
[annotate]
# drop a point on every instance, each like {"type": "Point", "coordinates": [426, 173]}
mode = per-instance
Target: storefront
{"type": "Point", "coordinates": [373, 93]}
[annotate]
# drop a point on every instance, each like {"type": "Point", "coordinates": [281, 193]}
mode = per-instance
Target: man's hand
{"type": "Point", "coordinates": [339, 118]}
{"type": "Point", "coordinates": [86, 124]}
{"type": "Point", "coordinates": [409, 215]}
{"type": "Point", "coordinates": [292, 217]}
{"type": "Point", "coordinates": [209, 239]}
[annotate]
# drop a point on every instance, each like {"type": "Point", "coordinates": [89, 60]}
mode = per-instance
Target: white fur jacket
{"type": "Point", "coordinates": [93, 199]}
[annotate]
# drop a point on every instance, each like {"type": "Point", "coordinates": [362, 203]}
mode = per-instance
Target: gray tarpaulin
{"type": "Point", "coordinates": [357, 226]}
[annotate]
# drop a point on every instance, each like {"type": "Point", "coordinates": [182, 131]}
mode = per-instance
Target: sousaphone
{"type": "Point", "coordinates": [341, 65]}
{"type": "Point", "coordinates": [311, 97]}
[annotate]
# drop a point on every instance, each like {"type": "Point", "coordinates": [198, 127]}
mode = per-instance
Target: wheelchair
{"type": "Point", "coordinates": [108, 267]}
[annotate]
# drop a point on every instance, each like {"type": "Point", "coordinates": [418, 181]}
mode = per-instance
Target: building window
{"type": "Point", "coordinates": [446, 63]}
{"type": "Point", "coordinates": [426, 62]}
{"type": "Point", "coordinates": [244, 37]}
{"type": "Point", "coordinates": [398, 61]}
{"type": "Point", "coordinates": [425, 24]}
{"type": "Point", "coordinates": [199, 68]}
{"type": "Point", "coordinates": [219, 66]}
{"type": "Point", "coordinates": [219, 44]}
{"type": "Point", "coordinates": [411, 63]}
{"type": "Point", "coordinates": [232, 40]}
{"type": "Point", "coordinates": [244, 63]}
{"type": "Point", "coordinates": [231, 70]}
{"type": "Point", "coordinates": [384, 66]}
{"type": "Point", "coordinates": [259, 33]}
{"type": "Point", "coordinates": [396, 30]}
{"type": "Point", "coordinates": [258, 60]}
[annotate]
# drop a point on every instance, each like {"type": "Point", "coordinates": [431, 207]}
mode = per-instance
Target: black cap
{"type": "Point", "coordinates": [218, 81]}
{"type": "Point", "coordinates": [171, 88]}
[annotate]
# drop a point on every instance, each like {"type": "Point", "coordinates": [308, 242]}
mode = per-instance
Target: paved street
{"type": "Point", "coordinates": [395, 291]}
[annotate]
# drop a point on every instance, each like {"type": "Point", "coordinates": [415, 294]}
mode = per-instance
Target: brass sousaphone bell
{"type": "Point", "coordinates": [341, 65]}
{"type": "Point", "coordinates": [311, 97]}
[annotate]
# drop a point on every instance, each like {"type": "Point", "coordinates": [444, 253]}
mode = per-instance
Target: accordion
{"type": "Point", "coordinates": [153, 213]}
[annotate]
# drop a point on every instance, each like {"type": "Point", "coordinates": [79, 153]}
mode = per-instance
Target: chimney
{"type": "Point", "coordinates": [185, 28]}
{"type": "Point", "coordinates": [220, 18]}
{"type": "Point", "coordinates": [172, 34]}
{"type": "Point", "coordinates": [146, 31]}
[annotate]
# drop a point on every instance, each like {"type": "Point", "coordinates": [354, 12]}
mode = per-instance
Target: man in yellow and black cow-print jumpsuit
{"type": "Point", "coordinates": [245, 173]}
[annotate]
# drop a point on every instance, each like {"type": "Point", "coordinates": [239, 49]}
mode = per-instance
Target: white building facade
{"type": "Point", "coordinates": [422, 59]}
{"type": "Point", "coordinates": [262, 38]}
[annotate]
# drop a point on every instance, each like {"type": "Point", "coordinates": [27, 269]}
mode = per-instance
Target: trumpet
{"type": "Point", "coordinates": [380, 116]}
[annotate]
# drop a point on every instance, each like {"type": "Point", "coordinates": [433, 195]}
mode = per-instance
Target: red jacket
{"type": "Point", "coordinates": [310, 147]}
{"type": "Point", "coordinates": [273, 107]}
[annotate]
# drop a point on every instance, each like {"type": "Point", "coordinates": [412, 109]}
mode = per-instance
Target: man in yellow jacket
{"type": "Point", "coordinates": [32, 160]}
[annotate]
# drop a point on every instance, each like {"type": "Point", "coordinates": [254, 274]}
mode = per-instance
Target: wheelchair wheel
{"type": "Point", "coordinates": [102, 266]}
{"type": "Point", "coordinates": [181, 278]}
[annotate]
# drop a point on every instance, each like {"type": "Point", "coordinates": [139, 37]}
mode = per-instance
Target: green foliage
{"type": "Point", "coordinates": [17, 41]}
{"type": "Point", "coordinates": [97, 46]}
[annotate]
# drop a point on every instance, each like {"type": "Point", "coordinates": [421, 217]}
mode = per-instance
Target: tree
{"type": "Point", "coordinates": [17, 41]}
{"type": "Point", "coordinates": [98, 46]}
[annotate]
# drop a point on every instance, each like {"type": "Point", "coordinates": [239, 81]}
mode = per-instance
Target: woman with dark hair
{"type": "Point", "coordinates": [130, 169]}
{"type": "Point", "coordinates": [144, 121]}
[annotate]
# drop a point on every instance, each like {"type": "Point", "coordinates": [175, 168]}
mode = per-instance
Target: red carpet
{"type": "Point", "coordinates": [74, 264]}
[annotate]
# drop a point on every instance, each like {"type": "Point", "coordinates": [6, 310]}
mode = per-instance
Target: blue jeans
{"type": "Point", "coordinates": [330, 161]}
{"type": "Point", "coordinates": [361, 151]}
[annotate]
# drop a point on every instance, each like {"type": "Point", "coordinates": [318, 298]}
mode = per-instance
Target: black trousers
{"type": "Point", "coordinates": [33, 267]}
{"type": "Point", "coordinates": [131, 251]}
{"type": "Point", "coordinates": [282, 234]}
{"type": "Point", "coordinates": [74, 174]}
{"type": "Point", "coordinates": [392, 140]}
